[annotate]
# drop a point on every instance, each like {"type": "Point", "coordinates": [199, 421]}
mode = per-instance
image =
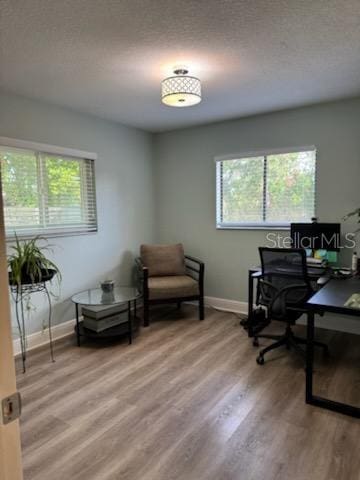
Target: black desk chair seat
{"type": "Point", "coordinates": [284, 288]}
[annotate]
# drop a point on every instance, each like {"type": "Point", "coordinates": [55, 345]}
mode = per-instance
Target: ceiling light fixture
{"type": "Point", "coordinates": [181, 90]}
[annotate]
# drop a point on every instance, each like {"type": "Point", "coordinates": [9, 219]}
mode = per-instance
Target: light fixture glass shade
{"type": "Point", "coordinates": [181, 91]}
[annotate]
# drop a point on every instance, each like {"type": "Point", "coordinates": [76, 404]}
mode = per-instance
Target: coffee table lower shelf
{"type": "Point", "coordinates": [96, 297]}
{"type": "Point", "coordinates": [110, 333]}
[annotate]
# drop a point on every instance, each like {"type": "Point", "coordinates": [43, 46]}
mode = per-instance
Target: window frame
{"type": "Point", "coordinates": [220, 225]}
{"type": "Point", "coordinates": [42, 149]}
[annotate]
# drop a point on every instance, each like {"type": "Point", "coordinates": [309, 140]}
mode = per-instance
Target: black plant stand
{"type": "Point", "coordinates": [19, 292]}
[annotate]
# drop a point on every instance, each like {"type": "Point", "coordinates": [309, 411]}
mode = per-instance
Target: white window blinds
{"type": "Point", "coordinates": [272, 189]}
{"type": "Point", "coordinates": [47, 193]}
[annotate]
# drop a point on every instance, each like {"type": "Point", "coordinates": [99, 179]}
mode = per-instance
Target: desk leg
{"type": "Point", "coordinates": [310, 397]}
{"type": "Point", "coordinates": [77, 324]}
{"type": "Point", "coordinates": [129, 323]}
{"type": "Point", "coordinates": [309, 356]}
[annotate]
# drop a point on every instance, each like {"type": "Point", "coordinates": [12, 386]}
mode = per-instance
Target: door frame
{"type": "Point", "coordinates": [10, 446]}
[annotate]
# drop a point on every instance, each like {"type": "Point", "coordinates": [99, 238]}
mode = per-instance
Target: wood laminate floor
{"type": "Point", "coordinates": [187, 401]}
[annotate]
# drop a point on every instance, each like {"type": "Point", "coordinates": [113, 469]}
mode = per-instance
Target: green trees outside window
{"type": "Point", "coordinates": [44, 192]}
{"type": "Point", "coordinates": [267, 189]}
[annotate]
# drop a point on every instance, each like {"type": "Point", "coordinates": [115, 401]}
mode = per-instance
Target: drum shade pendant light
{"type": "Point", "coordinates": [181, 90]}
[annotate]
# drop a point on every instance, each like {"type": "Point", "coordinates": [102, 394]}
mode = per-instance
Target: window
{"type": "Point", "coordinates": [47, 193]}
{"type": "Point", "coordinates": [266, 190]}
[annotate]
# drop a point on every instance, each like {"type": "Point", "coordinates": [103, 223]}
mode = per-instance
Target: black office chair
{"type": "Point", "coordinates": [283, 288]}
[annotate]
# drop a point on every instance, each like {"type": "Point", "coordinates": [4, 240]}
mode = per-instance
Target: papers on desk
{"type": "Point", "coordinates": [353, 301]}
{"type": "Point", "coordinates": [316, 262]}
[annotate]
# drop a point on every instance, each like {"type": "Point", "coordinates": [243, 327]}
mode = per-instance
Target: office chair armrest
{"type": "Point", "coordinates": [268, 284]}
{"type": "Point", "coordinates": [261, 291]}
{"type": "Point", "coordinates": [282, 294]}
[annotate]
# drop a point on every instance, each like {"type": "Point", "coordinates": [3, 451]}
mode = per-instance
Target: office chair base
{"type": "Point", "coordinates": [290, 341]}
{"type": "Point", "coordinates": [303, 341]}
{"type": "Point", "coordinates": [271, 337]}
{"type": "Point", "coordinates": [260, 360]}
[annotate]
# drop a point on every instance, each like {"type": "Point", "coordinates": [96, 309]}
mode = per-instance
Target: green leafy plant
{"type": "Point", "coordinates": [29, 263]}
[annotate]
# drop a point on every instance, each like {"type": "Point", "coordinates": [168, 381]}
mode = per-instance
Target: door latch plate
{"type": "Point", "coordinates": [10, 408]}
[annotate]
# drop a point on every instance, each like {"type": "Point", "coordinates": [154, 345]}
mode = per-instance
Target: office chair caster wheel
{"type": "Point", "coordinates": [260, 360]}
{"type": "Point", "coordinates": [256, 342]}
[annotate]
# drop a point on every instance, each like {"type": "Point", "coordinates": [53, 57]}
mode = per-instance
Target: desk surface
{"type": "Point", "coordinates": [333, 296]}
{"type": "Point", "coordinates": [313, 272]}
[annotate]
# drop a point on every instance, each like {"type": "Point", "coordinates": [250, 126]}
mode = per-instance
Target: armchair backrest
{"type": "Point", "coordinates": [163, 260]}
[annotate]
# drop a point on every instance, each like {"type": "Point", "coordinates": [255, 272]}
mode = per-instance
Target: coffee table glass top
{"type": "Point", "coordinates": [96, 296]}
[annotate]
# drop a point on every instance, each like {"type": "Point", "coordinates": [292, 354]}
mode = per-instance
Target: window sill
{"type": "Point", "coordinates": [29, 236]}
{"type": "Point", "coordinates": [284, 227]}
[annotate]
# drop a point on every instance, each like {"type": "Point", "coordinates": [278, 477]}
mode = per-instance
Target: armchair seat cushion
{"type": "Point", "coordinates": [174, 286]}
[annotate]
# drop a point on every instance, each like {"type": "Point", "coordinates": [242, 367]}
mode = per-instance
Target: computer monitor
{"type": "Point", "coordinates": [316, 236]}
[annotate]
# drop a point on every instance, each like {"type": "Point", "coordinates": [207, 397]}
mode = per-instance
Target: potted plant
{"type": "Point", "coordinates": [29, 264]}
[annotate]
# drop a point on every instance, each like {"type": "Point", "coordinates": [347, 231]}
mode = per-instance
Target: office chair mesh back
{"type": "Point", "coordinates": [284, 282]}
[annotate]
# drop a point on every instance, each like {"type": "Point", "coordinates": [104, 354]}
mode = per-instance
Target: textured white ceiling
{"type": "Point", "coordinates": [108, 57]}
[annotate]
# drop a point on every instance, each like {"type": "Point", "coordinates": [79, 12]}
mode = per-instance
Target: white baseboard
{"type": "Point", "coordinates": [339, 323]}
{"type": "Point", "coordinates": [329, 321]}
{"type": "Point", "coordinates": [37, 339]}
{"type": "Point", "coordinates": [226, 305]}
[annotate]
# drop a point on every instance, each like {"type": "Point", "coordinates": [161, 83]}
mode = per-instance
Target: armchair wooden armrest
{"type": "Point", "coordinates": [196, 267]}
{"type": "Point", "coordinates": [194, 260]}
{"type": "Point", "coordinates": [140, 266]}
{"type": "Point", "coordinates": [142, 275]}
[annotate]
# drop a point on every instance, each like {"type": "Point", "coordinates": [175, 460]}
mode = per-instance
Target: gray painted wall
{"type": "Point", "coordinates": [185, 182]}
{"type": "Point", "coordinates": [175, 172]}
{"type": "Point", "coordinates": [124, 187]}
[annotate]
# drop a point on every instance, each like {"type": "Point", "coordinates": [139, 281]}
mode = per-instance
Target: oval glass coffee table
{"type": "Point", "coordinates": [95, 297]}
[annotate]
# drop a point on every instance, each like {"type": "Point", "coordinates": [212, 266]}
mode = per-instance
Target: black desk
{"type": "Point", "coordinates": [255, 272]}
{"type": "Point", "coordinates": [331, 298]}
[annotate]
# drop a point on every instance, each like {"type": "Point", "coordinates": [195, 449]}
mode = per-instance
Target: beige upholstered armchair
{"type": "Point", "coordinates": [166, 275]}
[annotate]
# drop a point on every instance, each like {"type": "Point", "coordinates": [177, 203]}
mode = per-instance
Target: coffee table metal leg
{"type": "Point", "coordinates": [77, 324]}
{"type": "Point", "coordinates": [129, 323]}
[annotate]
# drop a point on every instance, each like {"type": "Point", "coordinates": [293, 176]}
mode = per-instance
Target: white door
{"type": "Point", "coordinates": [10, 449]}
